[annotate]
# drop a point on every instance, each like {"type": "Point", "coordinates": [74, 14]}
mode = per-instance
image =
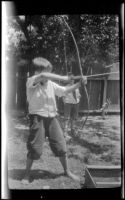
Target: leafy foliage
{"type": "Point", "coordinates": [97, 37]}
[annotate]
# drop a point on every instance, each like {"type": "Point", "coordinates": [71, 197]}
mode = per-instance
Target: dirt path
{"type": "Point", "coordinates": [97, 144]}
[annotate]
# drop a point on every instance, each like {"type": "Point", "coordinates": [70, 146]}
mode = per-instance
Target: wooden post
{"type": "Point", "coordinates": [105, 91]}
{"type": "Point", "coordinates": [104, 96]}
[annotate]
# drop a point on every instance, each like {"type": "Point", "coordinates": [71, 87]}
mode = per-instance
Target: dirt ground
{"type": "Point", "coordinates": [97, 144]}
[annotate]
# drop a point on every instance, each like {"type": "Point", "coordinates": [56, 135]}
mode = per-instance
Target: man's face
{"type": "Point", "coordinates": [71, 82]}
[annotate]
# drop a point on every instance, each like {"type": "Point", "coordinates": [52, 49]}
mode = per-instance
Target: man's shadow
{"type": "Point", "coordinates": [18, 174]}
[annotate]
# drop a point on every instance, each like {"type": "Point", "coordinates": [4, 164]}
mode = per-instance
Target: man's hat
{"type": "Point", "coordinates": [42, 63]}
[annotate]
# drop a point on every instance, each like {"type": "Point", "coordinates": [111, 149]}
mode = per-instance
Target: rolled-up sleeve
{"type": "Point", "coordinates": [59, 90]}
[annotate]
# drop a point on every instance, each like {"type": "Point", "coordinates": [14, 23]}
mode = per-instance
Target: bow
{"type": "Point", "coordinates": [80, 67]}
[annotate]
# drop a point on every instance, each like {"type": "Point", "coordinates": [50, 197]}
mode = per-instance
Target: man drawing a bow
{"type": "Point", "coordinates": [41, 92]}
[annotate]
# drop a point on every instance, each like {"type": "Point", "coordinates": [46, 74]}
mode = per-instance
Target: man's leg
{"type": "Point", "coordinates": [34, 144]}
{"type": "Point", "coordinates": [67, 109]}
{"type": "Point", "coordinates": [74, 117]}
{"type": "Point", "coordinates": [72, 121]}
{"type": "Point", "coordinates": [64, 162]}
{"type": "Point", "coordinates": [58, 146]}
{"type": "Point", "coordinates": [29, 164]}
{"type": "Point", "coordinates": [66, 123]}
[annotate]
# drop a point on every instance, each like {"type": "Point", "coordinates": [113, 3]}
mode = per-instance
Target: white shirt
{"type": "Point", "coordinates": [41, 99]}
{"type": "Point", "coordinates": [69, 98]}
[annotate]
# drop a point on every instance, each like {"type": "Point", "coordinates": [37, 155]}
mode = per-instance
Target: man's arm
{"type": "Point", "coordinates": [75, 86]}
{"type": "Point", "coordinates": [50, 76]}
{"type": "Point", "coordinates": [72, 87]}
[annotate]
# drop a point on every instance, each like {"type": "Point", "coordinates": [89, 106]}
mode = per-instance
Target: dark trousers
{"type": "Point", "coordinates": [40, 128]}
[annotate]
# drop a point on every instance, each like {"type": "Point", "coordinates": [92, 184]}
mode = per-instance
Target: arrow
{"type": "Point", "coordinates": [95, 75]}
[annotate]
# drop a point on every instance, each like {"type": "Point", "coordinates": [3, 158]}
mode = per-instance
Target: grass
{"type": "Point", "coordinates": [97, 144]}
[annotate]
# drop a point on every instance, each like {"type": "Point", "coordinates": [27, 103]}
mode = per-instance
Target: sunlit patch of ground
{"type": "Point", "coordinates": [97, 144]}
